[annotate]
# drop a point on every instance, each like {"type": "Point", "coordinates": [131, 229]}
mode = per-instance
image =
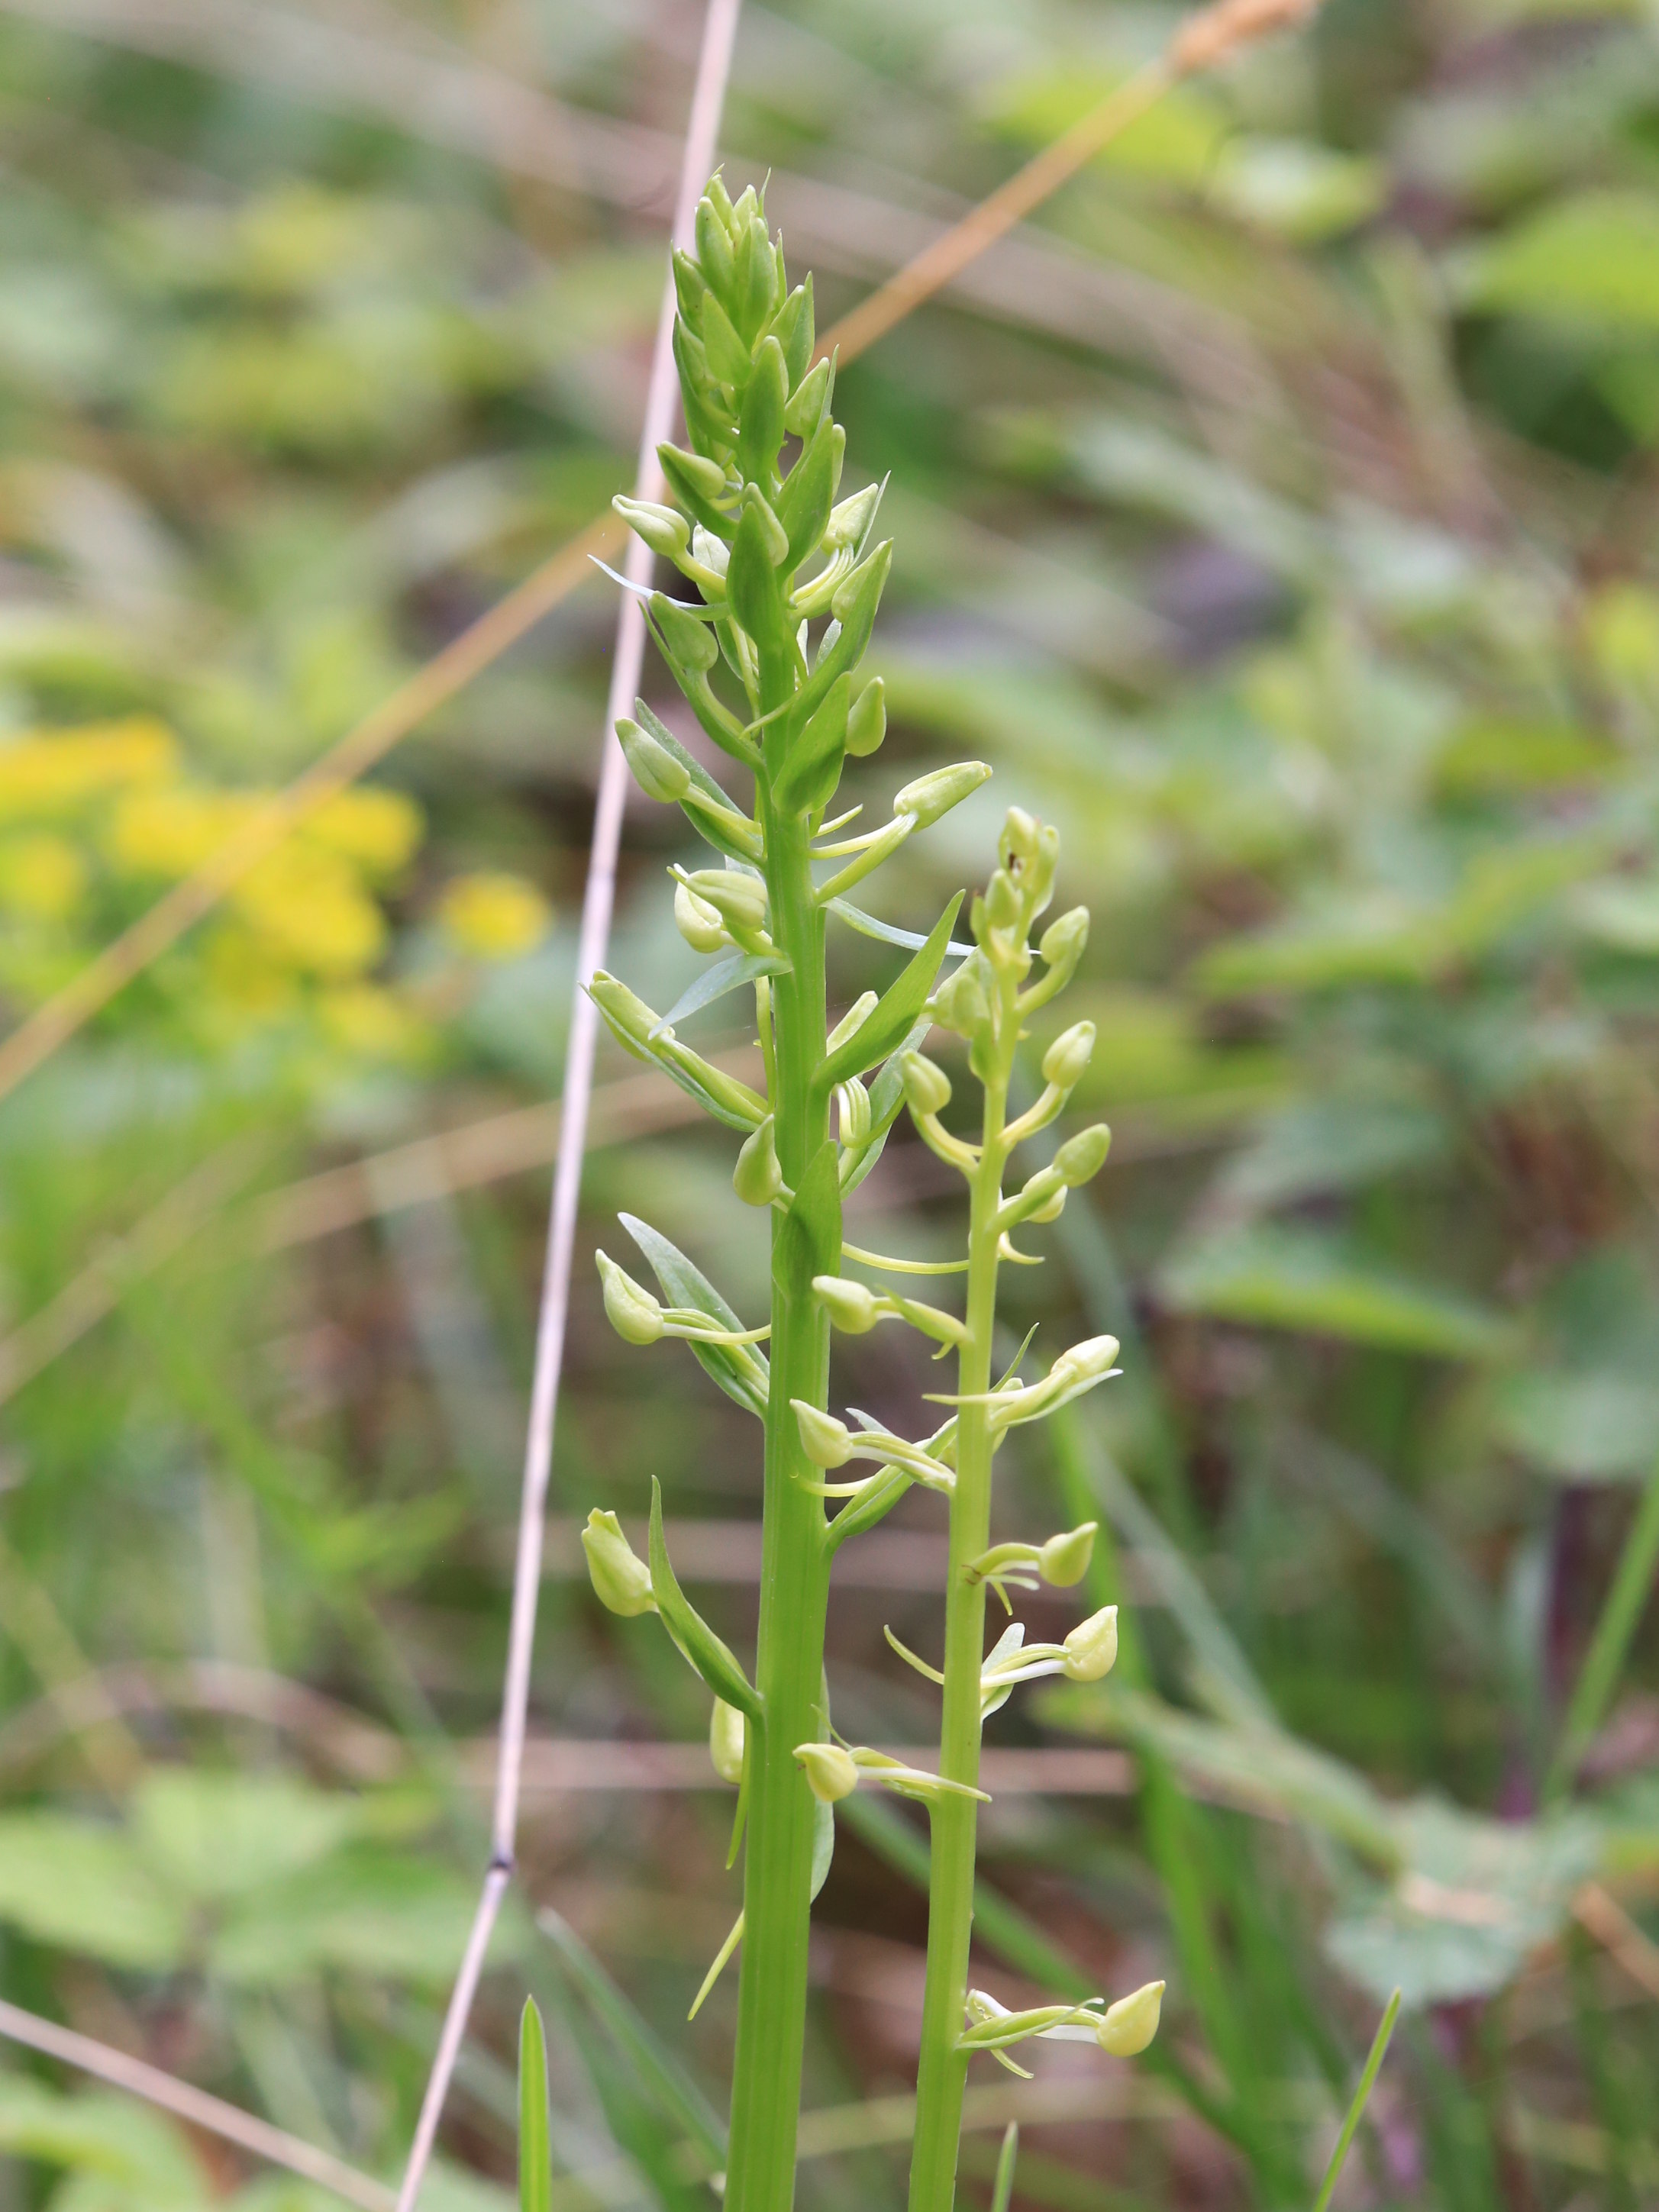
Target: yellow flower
{"type": "Point", "coordinates": [310, 910]}
{"type": "Point", "coordinates": [168, 833]}
{"type": "Point", "coordinates": [54, 771]}
{"type": "Point", "coordinates": [365, 1019]}
{"type": "Point", "coordinates": [379, 830]}
{"type": "Point", "coordinates": [42, 877]}
{"type": "Point", "coordinates": [494, 916]}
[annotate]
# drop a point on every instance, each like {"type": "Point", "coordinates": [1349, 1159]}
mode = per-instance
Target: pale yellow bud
{"type": "Point", "coordinates": [826, 1441]}
{"type": "Point", "coordinates": [852, 1021]}
{"type": "Point", "coordinates": [621, 1579]}
{"type": "Point", "coordinates": [1131, 2022]}
{"type": "Point", "coordinates": [851, 1306]}
{"type": "Point", "coordinates": [635, 1315]}
{"type": "Point", "coordinates": [698, 922]}
{"type": "Point", "coordinates": [1064, 1560]}
{"type": "Point", "coordinates": [726, 1740]}
{"type": "Point", "coordinates": [1092, 1648]}
{"type": "Point", "coordinates": [1085, 1154]}
{"type": "Point", "coordinates": [757, 1178]}
{"type": "Point", "coordinates": [938, 791]}
{"type": "Point", "coordinates": [830, 1773]}
{"type": "Point", "coordinates": [926, 1086]}
{"type": "Point", "coordinates": [1086, 1362]}
{"type": "Point", "coordinates": [1068, 1055]}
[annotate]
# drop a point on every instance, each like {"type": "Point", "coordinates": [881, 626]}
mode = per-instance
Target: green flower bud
{"type": "Point", "coordinates": [687, 642]}
{"type": "Point", "coordinates": [926, 1086]}
{"type": "Point", "coordinates": [826, 1441]}
{"type": "Point", "coordinates": [773, 536]}
{"type": "Point", "coordinates": [635, 1315]}
{"type": "Point", "coordinates": [1064, 1560]}
{"type": "Point", "coordinates": [960, 1002]}
{"type": "Point", "coordinates": [739, 900]}
{"type": "Point", "coordinates": [1019, 842]}
{"type": "Point", "coordinates": [853, 1126]}
{"type": "Point", "coordinates": [703, 474]}
{"type": "Point", "coordinates": [1063, 941]}
{"type": "Point", "coordinates": [1068, 1055]}
{"type": "Point", "coordinates": [698, 922]}
{"type": "Point", "coordinates": [1085, 1154]}
{"type": "Point", "coordinates": [852, 518]}
{"type": "Point", "coordinates": [654, 768]}
{"type": "Point", "coordinates": [629, 1019]}
{"type": "Point", "coordinates": [1131, 2022]}
{"type": "Point", "coordinates": [1086, 1362]}
{"type": "Point", "coordinates": [1040, 873]}
{"type": "Point", "coordinates": [852, 1021]}
{"type": "Point", "coordinates": [621, 1579]}
{"type": "Point", "coordinates": [726, 1740]}
{"type": "Point", "coordinates": [664, 529]}
{"type": "Point", "coordinates": [689, 285]}
{"type": "Point", "coordinates": [851, 1306]}
{"type": "Point", "coordinates": [757, 1178]}
{"type": "Point", "coordinates": [1003, 909]}
{"type": "Point", "coordinates": [830, 1773]}
{"type": "Point", "coordinates": [1089, 1650]}
{"type": "Point", "coordinates": [867, 724]}
{"type": "Point", "coordinates": [938, 792]}
{"type": "Point", "coordinates": [804, 413]}
{"type": "Point", "coordinates": [1051, 1208]}
{"type": "Point", "coordinates": [713, 239]}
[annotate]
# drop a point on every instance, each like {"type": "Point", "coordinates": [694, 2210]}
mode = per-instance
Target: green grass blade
{"type": "Point", "coordinates": [1379, 2050]}
{"type": "Point", "coordinates": [1604, 1662]}
{"type": "Point", "coordinates": [535, 2152]}
{"type": "Point", "coordinates": [1003, 2188]}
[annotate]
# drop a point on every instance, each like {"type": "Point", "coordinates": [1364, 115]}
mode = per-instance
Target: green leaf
{"type": "Point", "coordinates": [811, 766]}
{"type": "Point", "coordinates": [727, 974]}
{"type": "Point", "coordinates": [752, 589]}
{"type": "Point", "coordinates": [741, 1371]}
{"type": "Point", "coordinates": [380, 1914]}
{"type": "Point", "coordinates": [1295, 189]}
{"type": "Point", "coordinates": [535, 2150]}
{"type": "Point", "coordinates": [808, 491]}
{"type": "Point", "coordinates": [808, 1240]}
{"type": "Point", "coordinates": [117, 2138]}
{"type": "Point", "coordinates": [83, 1887]}
{"type": "Point", "coordinates": [214, 1836]}
{"type": "Point", "coordinates": [713, 1660]}
{"type": "Point", "coordinates": [1302, 1280]}
{"type": "Point", "coordinates": [655, 2068]}
{"type": "Point", "coordinates": [1590, 258]}
{"type": "Point", "coordinates": [1591, 1425]}
{"type": "Point", "coordinates": [1362, 2097]}
{"type": "Point", "coordinates": [896, 1012]}
{"type": "Point", "coordinates": [1175, 141]}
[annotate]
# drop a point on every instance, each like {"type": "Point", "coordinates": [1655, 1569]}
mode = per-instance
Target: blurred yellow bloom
{"type": "Point", "coordinates": [54, 771]}
{"type": "Point", "coordinates": [369, 1021]}
{"type": "Point", "coordinates": [494, 916]}
{"type": "Point", "coordinates": [168, 833]}
{"type": "Point", "coordinates": [1621, 628]}
{"type": "Point", "coordinates": [42, 877]}
{"type": "Point", "coordinates": [379, 829]}
{"type": "Point", "coordinates": [310, 908]}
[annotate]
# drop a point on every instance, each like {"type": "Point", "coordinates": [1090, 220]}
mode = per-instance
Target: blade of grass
{"type": "Point", "coordinates": [1621, 1614]}
{"type": "Point", "coordinates": [535, 2150]}
{"type": "Point", "coordinates": [1362, 2095]}
{"type": "Point", "coordinates": [1002, 2189]}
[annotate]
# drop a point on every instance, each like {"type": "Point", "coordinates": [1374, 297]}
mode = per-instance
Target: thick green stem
{"type": "Point", "coordinates": [794, 1591]}
{"type": "Point", "coordinates": [943, 2072]}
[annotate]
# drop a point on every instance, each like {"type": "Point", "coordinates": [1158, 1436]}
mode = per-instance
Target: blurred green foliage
{"type": "Point", "coordinates": [1279, 519]}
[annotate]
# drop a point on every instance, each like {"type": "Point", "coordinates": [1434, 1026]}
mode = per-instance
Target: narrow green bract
{"type": "Point", "coordinates": [786, 585]}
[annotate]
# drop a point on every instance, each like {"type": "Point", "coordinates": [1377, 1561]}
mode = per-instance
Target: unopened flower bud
{"type": "Point", "coordinates": [1083, 1155]}
{"type": "Point", "coordinates": [664, 529]}
{"type": "Point", "coordinates": [851, 1306]}
{"type": "Point", "coordinates": [1086, 1362]}
{"type": "Point", "coordinates": [1062, 942]}
{"type": "Point", "coordinates": [866, 719]}
{"type": "Point", "coordinates": [757, 1178]}
{"type": "Point", "coordinates": [960, 1002]}
{"type": "Point", "coordinates": [1051, 1208]}
{"type": "Point", "coordinates": [704, 476]}
{"type": "Point", "coordinates": [635, 1315]}
{"type": "Point", "coordinates": [1131, 2022]}
{"type": "Point", "coordinates": [654, 768]}
{"type": "Point", "coordinates": [698, 922]}
{"type": "Point", "coordinates": [1090, 1649]}
{"type": "Point", "coordinates": [801, 416]}
{"type": "Point", "coordinates": [848, 522]}
{"type": "Point", "coordinates": [1002, 902]}
{"type": "Point", "coordinates": [830, 1773]}
{"type": "Point", "coordinates": [739, 900]}
{"type": "Point", "coordinates": [689, 642]}
{"type": "Point", "coordinates": [854, 1126]}
{"type": "Point", "coordinates": [938, 791]}
{"type": "Point", "coordinates": [1068, 1055]}
{"type": "Point", "coordinates": [826, 1441]}
{"type": "Point", "coordinates": [773, 536]}
{"type": "Point", "coordinates": [621, 1579]}
{"type": "Point", "coordinates": [926, 1086]}
{"type": "Point", "coordinates": [1064, 1559]}
{"type": "Point", "coordinates": [1018, 840]}
{"type": "Point", "coordinates": [711, 551]}
{"type": "Point", "coordinates": [726, 1735]}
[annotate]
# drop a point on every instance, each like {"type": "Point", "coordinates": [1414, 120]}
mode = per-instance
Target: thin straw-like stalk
{"type": "Point", "coordinates": [1621, 1613]}
{"type": "Point", "coordinates": [1362, 2097]}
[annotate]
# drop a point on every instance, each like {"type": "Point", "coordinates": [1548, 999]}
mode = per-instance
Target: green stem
{"type": "Point", "coordinates": [1633, 1584]}
{"type": "Point", "coordinates": [794, 1592]}
{"type": "Point", "coordinates": [943, 2072]}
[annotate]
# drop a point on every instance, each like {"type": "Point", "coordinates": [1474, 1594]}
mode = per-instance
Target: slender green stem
{"type": "Point", "coordinates": [794, 1591]}
{"type": "Point", "coordinates": [1633, 1584]}
{"type": "Point", "coordinates": [943, 2072]}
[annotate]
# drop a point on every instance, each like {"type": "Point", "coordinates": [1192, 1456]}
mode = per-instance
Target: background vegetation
{"type": "Point", "coordinates": [1276, 515]}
